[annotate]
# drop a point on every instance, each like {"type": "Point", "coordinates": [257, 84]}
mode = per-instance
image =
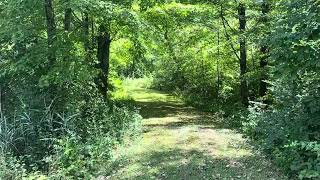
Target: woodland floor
{"type": "Point", "coordinates": [180, 142]}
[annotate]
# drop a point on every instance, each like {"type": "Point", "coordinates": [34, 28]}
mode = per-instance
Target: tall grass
{"type": "Point", "coordinates": [64, 145]}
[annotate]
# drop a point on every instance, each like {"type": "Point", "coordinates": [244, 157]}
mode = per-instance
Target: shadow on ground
{"type": "Point", "coordinates": [182, 143]}
{"type": "Point", "coordinates": [152, 111]}
{"type": "Point", "coordinates": [154, 105]}
{"type": "Point", "coordinates": [156, 109]}
{"type": "Point", "coordinates": [176, 164]}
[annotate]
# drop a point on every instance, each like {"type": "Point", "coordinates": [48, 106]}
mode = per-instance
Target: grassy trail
{"type": "Point", "coordinates": [179, 142]}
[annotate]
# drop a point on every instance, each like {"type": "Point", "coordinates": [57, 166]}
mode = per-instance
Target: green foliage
{"type": "Point", "coordinates": [78, 159]}
{"type": "Point", "coordinates": [289, 130]}
{"type": "Point", "coordinates": [11, 168]}
{"type": "Point", "coordinates": [72, 146]}
{"type": "Point", "coordinates": [192, 63]}
{"type": "Point", "coordinates": [53, 118]}
{"type": "Point", "coordinates": [89, 148]}
{"type": "Point", "coordinates": [57, 120]}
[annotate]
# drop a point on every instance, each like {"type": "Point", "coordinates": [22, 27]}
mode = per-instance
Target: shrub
{"type": "Point", "coordinates": [62, 145]}
{"type": "Point", "coordinates": [287, 138]}
{"type": "Point", "coordinates": [11, 168]}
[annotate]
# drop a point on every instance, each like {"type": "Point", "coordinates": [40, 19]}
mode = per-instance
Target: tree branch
{"type": "Point", "coordinates": [227, 35]}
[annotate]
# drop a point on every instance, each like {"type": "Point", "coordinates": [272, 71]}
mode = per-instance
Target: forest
{"type": "Point", "coordinates": [159, 89]}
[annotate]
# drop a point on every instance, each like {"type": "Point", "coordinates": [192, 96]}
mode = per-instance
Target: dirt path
{"type": "Point", "coordinates": [180, 142]}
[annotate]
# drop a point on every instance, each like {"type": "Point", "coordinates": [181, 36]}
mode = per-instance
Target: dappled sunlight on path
{"type": "Point", "coordinates": [179, 142]}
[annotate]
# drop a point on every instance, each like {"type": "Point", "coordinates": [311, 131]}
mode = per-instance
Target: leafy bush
{"type": "Point", "coordinates": [289, 130]}
{"type": "Point", "coordinates": [87, 150]}
{"type": "Point", "coordinates": [11, 168]}
{"type": "Point", "coordinates": [77, 159]}
{"type": "Point", "coordinates": [286, 136]}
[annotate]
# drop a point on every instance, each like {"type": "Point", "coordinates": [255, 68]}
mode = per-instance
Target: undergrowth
{"type": "Point", "coordinates": [42, 143]}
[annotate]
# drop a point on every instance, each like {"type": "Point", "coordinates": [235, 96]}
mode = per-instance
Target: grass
{"type": "Point", "coordinates": [179, 142]}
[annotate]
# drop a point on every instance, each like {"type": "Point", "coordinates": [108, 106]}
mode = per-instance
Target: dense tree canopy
{"type": "Point", "coordinates": [63, 63]}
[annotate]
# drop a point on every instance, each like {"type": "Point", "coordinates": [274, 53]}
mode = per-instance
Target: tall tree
{"type": "Point", "coordinates": [104, 42]}
{"type": "Point", "coordinates": [86, 30]}
{"type": "Point", "coordinates": [218, 63]}
{"type": "Point", "coordinates": [264, 50]}
{"type": "Point", "coordinates": [51, 30]}
{"type": "Point", "coordinates": [67, 27]}
{"type": "Point", "coordinates": [243, 54]}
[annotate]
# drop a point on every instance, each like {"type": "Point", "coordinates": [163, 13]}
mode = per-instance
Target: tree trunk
{"type": "Point", "coordinates": [67, 28]}
{"type": "Point", "coordinates": [104, 42]}
{"type": "Point", "coordinates": [51, 54]}
{"type": "Point", "coordinates": [133, 67]}
{"type": "Point", "coordinates": [51, 31]}
{"type": "Point", "coordinates": [243, 55]}
{"type": "Point", "coordinates": [264, 50]}
{"type": "Point", "coordinates": [218, 65]}
{"type": "Point", "coordinates": [1, 98]}
{"type": "Point", "coordinates": [93, 37]}
{"type": "Point", "coordinates": [86, 33]}
{"type": "Point", "coordinates": [67, 19]}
